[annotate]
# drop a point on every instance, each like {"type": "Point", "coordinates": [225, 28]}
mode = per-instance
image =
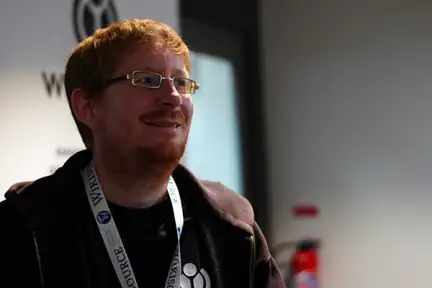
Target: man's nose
{"type": "Point", "coordinates": [169, 96]}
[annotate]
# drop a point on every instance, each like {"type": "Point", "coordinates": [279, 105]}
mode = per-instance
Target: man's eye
{"type": "Point", "coordinates": [148, 80]}
{"type": "Point", "coordinates": [181, 82]}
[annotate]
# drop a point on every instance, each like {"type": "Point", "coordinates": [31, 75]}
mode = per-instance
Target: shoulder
{"type": "Point", "coordinates": [38, 203]}
{"type": "Point", "coordinates": [234, 207]}
{"type": "Point", "coordinates": [238, 210]}
{"type": "Point", "coordinates": [230, 205]}
{"type": "Point", "coordinates": [228, 201]}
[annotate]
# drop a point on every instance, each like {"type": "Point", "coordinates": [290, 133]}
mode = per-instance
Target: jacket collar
{"type": "Point", "coordinates": [43, 201]}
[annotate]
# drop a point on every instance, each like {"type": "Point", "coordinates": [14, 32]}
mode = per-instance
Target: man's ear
{"type": "Point", "coordinates": [82, 107]}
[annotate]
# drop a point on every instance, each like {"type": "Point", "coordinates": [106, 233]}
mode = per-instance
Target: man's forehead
{"type": "Point", "coordinates": [158, 59]}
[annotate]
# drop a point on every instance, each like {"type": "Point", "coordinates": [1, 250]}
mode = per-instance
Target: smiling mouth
{"type": "Point", "coordinates": [163, 124]}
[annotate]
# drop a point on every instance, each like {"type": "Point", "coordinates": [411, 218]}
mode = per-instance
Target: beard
{"type": "Point", "coordinates": [157, 160]}
{"type": "Point", "coordinates": [130, 152]}
{"type": "Point", "coordinates": [168, 153]}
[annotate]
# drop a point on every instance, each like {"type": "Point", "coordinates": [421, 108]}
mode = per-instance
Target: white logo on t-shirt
{"type": "Point", "coordinates": [192, 278]}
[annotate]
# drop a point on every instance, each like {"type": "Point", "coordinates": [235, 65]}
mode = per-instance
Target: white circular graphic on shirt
{"type": "Point", "coordinates": [189, 269]}
{"type": "Point", "coordinates": [191, 278]}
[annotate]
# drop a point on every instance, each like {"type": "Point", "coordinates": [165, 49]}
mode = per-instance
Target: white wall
{"type": "Point", "coordinates": [37, 37]}
{"type": "Point", "coordinates": [348, 112]}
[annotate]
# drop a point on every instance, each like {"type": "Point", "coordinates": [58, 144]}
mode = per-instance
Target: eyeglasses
{"type": "Point", "coordinates": [154, 80]}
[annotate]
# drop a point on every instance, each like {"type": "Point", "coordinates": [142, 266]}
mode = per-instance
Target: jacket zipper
{"type": "Point", "coordinates": [35, 242]}
{"type": "Point", "coordinates": [252, 261]}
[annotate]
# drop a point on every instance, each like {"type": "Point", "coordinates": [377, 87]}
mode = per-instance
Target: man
{"type": "Point", "coordinates": [124, 213]}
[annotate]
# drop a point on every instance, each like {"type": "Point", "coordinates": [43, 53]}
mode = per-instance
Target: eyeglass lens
{"type": "Point", "coordinates": [150, 80]}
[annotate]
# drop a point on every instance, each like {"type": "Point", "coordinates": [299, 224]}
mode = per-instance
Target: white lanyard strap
{"type": "Point", "coordinates": [111, 236]}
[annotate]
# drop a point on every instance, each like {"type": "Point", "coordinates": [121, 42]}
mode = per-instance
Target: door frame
{"type": "Point", "coordinates": [242, 18]}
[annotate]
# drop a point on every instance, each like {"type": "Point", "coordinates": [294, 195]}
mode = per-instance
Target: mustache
{"type": "Point", "coordinates": [175, 116]}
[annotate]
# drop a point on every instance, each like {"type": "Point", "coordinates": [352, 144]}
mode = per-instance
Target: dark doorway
{"type": "Point", "coordinates": [229, 31]}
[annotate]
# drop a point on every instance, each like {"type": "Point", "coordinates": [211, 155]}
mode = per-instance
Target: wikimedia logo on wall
{"type": "Point", "coordinates": [87, 17]}
{"type": "Point", "coordinates": [90, 15]}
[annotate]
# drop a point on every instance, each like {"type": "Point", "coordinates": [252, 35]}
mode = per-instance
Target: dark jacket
{"type": "Point", "coordinates": [42, 238]}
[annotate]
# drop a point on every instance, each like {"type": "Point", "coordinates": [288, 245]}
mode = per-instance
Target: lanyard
{"type": "Point", "coordinates": [111, 236]}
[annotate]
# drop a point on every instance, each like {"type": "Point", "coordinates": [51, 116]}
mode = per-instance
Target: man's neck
{"type": "Point", "coordinates": [132, 182]}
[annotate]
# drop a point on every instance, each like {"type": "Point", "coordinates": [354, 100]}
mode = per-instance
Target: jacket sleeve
{"type": "Point", "coordinates": [18, 256]}
{"type": "Point", "coordinates": [267, 273]}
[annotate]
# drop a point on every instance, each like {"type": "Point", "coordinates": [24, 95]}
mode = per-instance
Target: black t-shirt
{"type": "Point", "coordinates": [149, 237]}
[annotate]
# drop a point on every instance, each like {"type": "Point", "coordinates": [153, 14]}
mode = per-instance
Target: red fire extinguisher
{"type": "Point", "coordinates": [305, 264]}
